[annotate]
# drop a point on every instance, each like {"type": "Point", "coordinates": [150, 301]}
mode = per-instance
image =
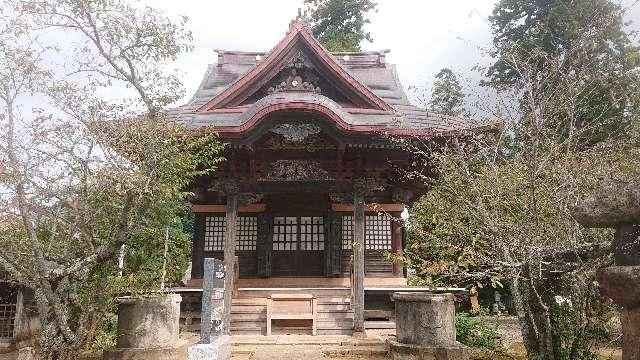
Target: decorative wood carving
{"type": "Point", "coordinates": [296, 132]}
{"type": "Point", "coordinates": [296, 170]}
{"type": "Point", "coordinates": [298, 75]}
{"type": "Point", "coordinates": [225, 186]}
{"type": "Point", "coordinates": [312, 143]}
{"type": "Point", "coordinates": [246, 199]}
{"type": "Point", "coordinates": [364, 186]}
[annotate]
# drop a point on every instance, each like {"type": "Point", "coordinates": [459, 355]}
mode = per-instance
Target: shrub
{"type": "Point", "coordinates": [474, 332]}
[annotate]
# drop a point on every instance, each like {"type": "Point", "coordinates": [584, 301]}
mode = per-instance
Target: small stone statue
{"type": "Point", "coordinates": [498, 307]}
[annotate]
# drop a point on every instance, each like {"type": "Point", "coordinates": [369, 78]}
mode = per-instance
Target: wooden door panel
{"type": "Point", "coordinates": [298, 246]}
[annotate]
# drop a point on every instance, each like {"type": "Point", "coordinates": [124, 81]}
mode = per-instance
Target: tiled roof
{"type": "Point", "coordinates": [368, 68]}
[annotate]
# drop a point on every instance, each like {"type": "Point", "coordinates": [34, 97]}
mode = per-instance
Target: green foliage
{"type": "Point", "coordinates": [447, 97]}
{"type": "Point", "coordinates": [115, 172]}
{"type": "Point", "coordinates": [339, 24]}
{"type": "Point", "coordinates": [582, 320]}
{"type": "Point", "coordinates": [582, 45]}
{"type": "Point", "coordinates": [474, 332]}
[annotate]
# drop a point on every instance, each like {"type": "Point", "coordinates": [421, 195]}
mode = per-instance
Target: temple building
{"type": "Point", "coordinates": [315, 175]}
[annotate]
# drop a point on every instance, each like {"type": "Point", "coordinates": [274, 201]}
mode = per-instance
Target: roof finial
{"type": "Point", "coordinates": [300, 21]}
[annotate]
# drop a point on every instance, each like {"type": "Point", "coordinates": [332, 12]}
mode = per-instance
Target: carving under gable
{"type": "Point", "coordinates": [298, 75]}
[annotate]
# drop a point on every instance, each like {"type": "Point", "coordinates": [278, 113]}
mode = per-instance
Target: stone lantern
{"type": "Point", "coordinates": [618, 206]}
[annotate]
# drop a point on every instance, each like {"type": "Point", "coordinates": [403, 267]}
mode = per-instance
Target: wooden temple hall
{"type": "Point", "coordinates": [314, 178]}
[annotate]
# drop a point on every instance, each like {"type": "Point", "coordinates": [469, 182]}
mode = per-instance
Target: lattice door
{"type": "Point", "coordinates": [298, 246]}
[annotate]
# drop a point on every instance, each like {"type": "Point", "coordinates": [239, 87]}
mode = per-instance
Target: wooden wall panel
{"type": "Point", "coordinates": [264, 245]}
{"type": "Point", "coordinates": [197, 247]}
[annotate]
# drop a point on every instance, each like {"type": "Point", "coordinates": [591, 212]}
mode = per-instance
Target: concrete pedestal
{"type": "Point", "coordinates": [219, 349]}
{"type": "Point", "coordinates": [425, 328]}
{"type": "Point", "coordinates": [175, 352]}
{"type": "Point", "coordinates": [400, 351]}
{"type": "Point", "coordinates": [148, 328]}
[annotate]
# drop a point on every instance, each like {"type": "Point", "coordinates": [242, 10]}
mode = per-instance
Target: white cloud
{"type": "Point", "coordinates": [423, 35]}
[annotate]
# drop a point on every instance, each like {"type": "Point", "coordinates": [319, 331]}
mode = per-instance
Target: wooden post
{"type": "Point", "coordinates": [197, 250]}
{"type": "Point", "coordinates": [229, 260]}
{"type": "Point", "coordinates": [19, 316]}
{"type": "Point", "coordinates": [358, 262]}
{"type": "Point", "coordinates": [396, 243]}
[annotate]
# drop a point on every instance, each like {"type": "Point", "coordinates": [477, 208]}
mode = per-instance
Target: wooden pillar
{"type": "Point", "coordinates": [264, 245]}
{"type": "Point", "coordinates": [229, 259]}
{"type": "Point", "coordinates": [358, 262]}
{"type": "Point", "coordinates": [197, 246]}
{"type": "Point", "coordinates": [19, 316]}
{"type": "Point", "coordinates": [396, 243]}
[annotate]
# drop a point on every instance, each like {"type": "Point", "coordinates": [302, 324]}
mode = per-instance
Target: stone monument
{"type": "Point", "coordinates": [425, 328]}
{"type": "Point", "coordinates": [213, 345]}
{"type": "Point", "coordinates": [617, 205]}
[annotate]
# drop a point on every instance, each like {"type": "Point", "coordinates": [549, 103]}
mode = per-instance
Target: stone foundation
{"type": "Point", "coordinates": [219, 349]}
{"type": "Point", "coordinates": [400, 351]}
{"type": "Point", "coordinates": [177, 352]}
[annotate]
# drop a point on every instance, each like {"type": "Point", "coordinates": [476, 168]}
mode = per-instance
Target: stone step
{"type": "Point", "coordinates": [361, 351]}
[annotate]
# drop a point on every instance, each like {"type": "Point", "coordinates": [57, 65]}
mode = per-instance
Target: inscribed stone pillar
{"type": "Point", "coordinates": [212, 300]}
{"type": "Point", "coordinates": [358, 262]}
{"type": "Point", "coordinates": [213, 345]}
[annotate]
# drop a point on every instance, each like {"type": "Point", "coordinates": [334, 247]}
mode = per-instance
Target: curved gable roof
{"type": "Point", "coordinates": [384, 106]}
{"type": "Point", "coordinates": [298, 37]}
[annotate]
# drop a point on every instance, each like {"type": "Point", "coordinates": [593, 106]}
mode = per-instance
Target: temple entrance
{"type": "Point", "coordinates": [298, 246]}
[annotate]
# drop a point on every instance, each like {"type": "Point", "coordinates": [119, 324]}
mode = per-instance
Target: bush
{"type": "Point", "coordinates": [474, 332]}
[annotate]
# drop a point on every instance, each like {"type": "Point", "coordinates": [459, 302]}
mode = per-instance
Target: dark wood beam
{"type": "Point", "coordinates": [197, 247]}
{"type": "Point", "coordinates": [229, 259]}
{"type": "Point", "coordinates": [369, 207]}
{"type": "Point", "coordinates": [213, 208]}
{"type": "Point", "coordinates": [358, 262]}
{"type": "Point", "coordinates": [396, 243]}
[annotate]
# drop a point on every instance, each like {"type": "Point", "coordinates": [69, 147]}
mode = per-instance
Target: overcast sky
{"type": "Point", "coordinates": [423, 35]}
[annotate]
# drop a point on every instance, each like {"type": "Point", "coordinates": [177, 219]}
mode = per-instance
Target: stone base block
{"type": "Point", "coordinates": [398, 351]}
{"type": "Point", "coordinates": [26, 353]}
{"type": "Point", "coordinates": [219, 349]}
{"type": "Point", "coordinates": [176, 352]}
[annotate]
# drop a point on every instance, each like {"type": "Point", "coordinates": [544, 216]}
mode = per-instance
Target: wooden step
{"type": "Point", "coordinates": [335, 315]}
{"type": "Point", "coordinates": [328, 324]}
{"type": "Point", "coordinates": [249, 301]}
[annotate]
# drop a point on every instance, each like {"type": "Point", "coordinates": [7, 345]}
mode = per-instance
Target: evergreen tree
{"type": "Point", "coordinates": [447, 97]}
{"type": "Point", "coordinates": [584, 38]}
{"type": "Point", "coordinates": [339, 24]}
